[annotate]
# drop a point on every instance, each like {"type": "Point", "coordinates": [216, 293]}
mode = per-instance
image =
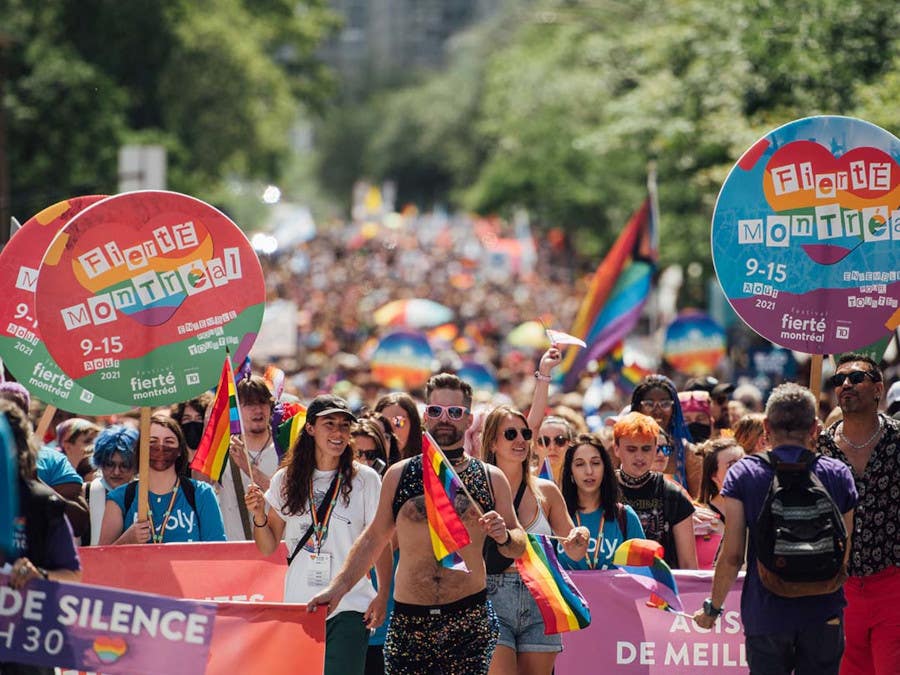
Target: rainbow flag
{"type": "Point", "coordinates": [289, 425]}
{"type": "Point", "coordinates": [546, 470]}
{"type": "Point", "coordinates": [616, 295]}
{"type": "Point", "coordinates": [274, 377]}
{"type": "Point", "coordinates": [642, 560]}
{"type": "Point", "coordinates": [212, 452]}
{"type": "Point", "coordinates": [562, 606]}
{"type": "Point", "coordinates": [441, 485]}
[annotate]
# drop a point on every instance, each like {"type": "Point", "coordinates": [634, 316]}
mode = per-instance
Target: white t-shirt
{"type": "Point", "coordinates": [228, 500]}
{"type": "Point", "coordinates": [345, 526]}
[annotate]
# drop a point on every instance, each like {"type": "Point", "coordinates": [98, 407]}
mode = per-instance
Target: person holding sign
{"type": "Point", "coordinates": [181, 509]}
{"type": "Point", "coordinates": [321, 501]}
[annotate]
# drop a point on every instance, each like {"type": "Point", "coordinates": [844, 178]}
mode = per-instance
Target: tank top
{"type": "Point", "coordinates": [474, 476]}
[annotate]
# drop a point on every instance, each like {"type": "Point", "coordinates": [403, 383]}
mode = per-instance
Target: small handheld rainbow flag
{"type": "Point", "coordinates": [642, 560]}
{"type": "Point", "coordinates": [546, 470]}
{"type": "Point", "coordinates": [561, 604]}
{"type": "Point", "coordinates": [212, 452]}
{"type": "Point", "coordinates": [288, 420]}
{"type": "Point", "coordinates": [441, 485]}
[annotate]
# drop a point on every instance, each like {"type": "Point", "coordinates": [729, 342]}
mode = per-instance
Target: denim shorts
{"type": "Point", "coordinates": [521, 624]}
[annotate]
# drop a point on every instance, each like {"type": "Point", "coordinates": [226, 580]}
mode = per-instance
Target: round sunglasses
{"type": "Point", "coordinates": [511, 434]}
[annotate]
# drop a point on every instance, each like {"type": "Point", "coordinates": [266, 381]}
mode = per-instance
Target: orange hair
{"type": "Point", "coordinates": [636, 424]}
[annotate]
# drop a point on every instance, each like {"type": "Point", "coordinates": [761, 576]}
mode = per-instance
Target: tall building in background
{"type": "Point", "coordinates": [382, 40]}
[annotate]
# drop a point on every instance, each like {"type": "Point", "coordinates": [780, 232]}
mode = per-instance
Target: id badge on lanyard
{"type": "Point", "coordinates": [319, 570]}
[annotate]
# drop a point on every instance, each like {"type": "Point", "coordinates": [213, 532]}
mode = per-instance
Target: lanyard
{"type": "Point", "coordinates": [592, 564]}
{"type": "Point", "coordinates": [157, 537]}
{"type": "Point", "coordinates": [320, 528]}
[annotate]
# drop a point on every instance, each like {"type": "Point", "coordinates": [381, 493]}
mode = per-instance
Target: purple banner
{"type": "Point", "coordinates": [101, 629]}
{"type": "Point", "coordinates": [626, 636]}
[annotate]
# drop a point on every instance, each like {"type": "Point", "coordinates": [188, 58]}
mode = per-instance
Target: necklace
{"type": "Point", "coordinates": [254, 459]}
{"type": "Point", "coordinates": [631, 481]}
{"type": "Point", "coordinates": [860, 446]}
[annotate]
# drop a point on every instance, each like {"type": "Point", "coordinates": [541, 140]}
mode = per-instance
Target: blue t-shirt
{"type": "Point", "coordinates": [609, 542]}
{"type": "Point", "coordinates": [54, 469]}
{"type": "Point", "coordinates": [182, 524]}
{"type": "Point", "coordinates": [763, 612]}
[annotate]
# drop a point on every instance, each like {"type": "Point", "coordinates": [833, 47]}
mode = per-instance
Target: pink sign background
{"type": "Point", "coordinates": [626, 636]}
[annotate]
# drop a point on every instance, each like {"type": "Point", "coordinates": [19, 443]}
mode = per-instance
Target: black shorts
{"type": "Point", "coordinates": [453, 639]}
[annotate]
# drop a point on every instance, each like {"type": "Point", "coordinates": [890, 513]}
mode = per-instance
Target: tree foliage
{"type": "Point", "coordinates": [218, 82]}
{"type": "Point", "coordinates": [559, 105]}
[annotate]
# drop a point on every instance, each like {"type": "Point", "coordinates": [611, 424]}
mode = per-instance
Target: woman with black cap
{"type": "Point", "coordinates": [321, 501]}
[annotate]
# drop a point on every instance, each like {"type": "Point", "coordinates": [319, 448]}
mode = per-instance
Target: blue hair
{"type": "Point", "coordinates": [117, 438]}
{"type": "Point", "coordinates": [677, 428]}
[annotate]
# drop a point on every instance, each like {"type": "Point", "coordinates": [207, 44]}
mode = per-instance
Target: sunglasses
{"type": "Point", "coordinates": [511, 433]}
{"type": "Point", "coordinates": [454, 412]}
{"type": "Point", "coordinates": [121, 466]}
{"type": "Point", "coordinates": [370, 455]}
{"type": "Point", "coordinates": [647, 404]}
{"type": "Point", "coordinates": [558, 441]}
{"type": "Point", "coordinates": [855, 377]}
{"type": "Point", "coordinates": [666, 450]}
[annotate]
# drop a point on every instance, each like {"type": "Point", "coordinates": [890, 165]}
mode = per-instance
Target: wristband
{"type": "Point", "coordinates": [541, 378]}
{"type": "Point", "coordinates": [264, 522]}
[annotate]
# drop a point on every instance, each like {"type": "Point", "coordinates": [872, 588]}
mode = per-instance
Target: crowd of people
{"type": "Point", "coordinates": [687, 467]}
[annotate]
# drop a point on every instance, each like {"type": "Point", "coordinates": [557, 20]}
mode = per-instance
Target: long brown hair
{"type": "Point", "coordinates": [492, 429]}
{"type": "Point", "coordinates": [299, 464]}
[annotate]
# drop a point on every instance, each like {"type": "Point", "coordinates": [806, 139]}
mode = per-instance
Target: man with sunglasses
{"type": "Point", "coordinates": [442, 620]}
{"type": "Point", "coordinates": [869, 443]}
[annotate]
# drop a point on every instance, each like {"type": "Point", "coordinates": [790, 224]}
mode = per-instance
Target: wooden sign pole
{"type": "Point", "coordinates": [144, 466]}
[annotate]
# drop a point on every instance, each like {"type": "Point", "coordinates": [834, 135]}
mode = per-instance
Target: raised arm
{"type": "Point", "coordinates": [367, 547]}
{"type": "Point", "coordinates": [549, 360]}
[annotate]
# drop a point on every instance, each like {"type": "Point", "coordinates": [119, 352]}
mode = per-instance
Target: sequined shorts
{"type": "Point", "coordinates": [453, 639]}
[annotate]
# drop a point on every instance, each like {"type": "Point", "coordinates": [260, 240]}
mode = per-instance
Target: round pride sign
{"type": "Point", "coordinates": [806, 235]}
{"type": "Point", "coordinates": [139, 296]}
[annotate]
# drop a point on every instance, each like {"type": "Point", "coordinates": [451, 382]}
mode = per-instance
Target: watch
{"type": "Point", "coordinates": [709, 610]}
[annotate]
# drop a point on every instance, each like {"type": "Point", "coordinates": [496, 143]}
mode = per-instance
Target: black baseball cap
{"type": "Point", "coordinates": [328, 404]}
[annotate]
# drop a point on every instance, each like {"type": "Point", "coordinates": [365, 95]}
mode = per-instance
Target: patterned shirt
{"type": "Point", "coordinates": [875, 544]}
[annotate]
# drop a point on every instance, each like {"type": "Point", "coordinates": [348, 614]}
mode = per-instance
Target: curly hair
{"type": "Point", "coordinates": [299, 464]}
{"type": "Point", "coordinates": [609, 485]}
{"type": "Point", "coordinates": [25, 444]}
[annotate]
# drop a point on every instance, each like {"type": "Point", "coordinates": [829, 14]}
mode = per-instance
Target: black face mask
{"type": "Point", "coordinates": [699, 431]}
{"type": "Point", "coordinates": [193, 432]}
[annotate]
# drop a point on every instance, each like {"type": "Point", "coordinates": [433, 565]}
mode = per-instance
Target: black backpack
{"type": "Point", "coordinates": [800, 535]}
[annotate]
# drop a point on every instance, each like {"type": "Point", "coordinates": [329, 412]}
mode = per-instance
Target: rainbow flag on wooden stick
{"type": "Point", "coordinates": [441, 485]}
{"type": "Point", "coordinates": [561, 604]}
{"type": "Point", "coordinates": [212, 453]}
{"type": "Point", "coordinates": [642, 560]}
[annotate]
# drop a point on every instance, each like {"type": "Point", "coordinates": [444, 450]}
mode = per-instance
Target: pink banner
{"type": "Point", "coordinates": [626, 636]}
{"type": "Point", "coordinates": [225, 571]}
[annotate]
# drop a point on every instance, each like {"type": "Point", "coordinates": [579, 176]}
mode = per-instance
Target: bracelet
{"type": "Point", "coordinates": [44, 573]}
{"type": "Point", "coordinates": [506, 541]}
{"type": "Point", "coordinates": [541, 378]}
{"type": "Point", "coordinates": [264, 522]}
